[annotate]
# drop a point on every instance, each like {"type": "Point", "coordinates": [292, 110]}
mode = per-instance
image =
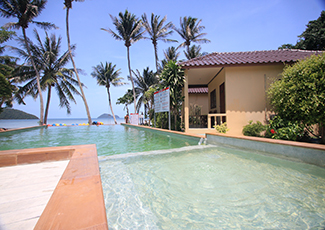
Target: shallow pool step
{"type": "Point", "coordinates": [124, 208]}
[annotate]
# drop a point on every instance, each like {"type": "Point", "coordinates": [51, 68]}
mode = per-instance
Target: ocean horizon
{"type": "Point", "coordinates": [23, 123]}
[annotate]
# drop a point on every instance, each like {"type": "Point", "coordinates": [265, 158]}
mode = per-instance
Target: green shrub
{"type": "Point", "coordinates": [221, 128]}
{"type": "Point", "coordinates": [253, 129]}
{"type": "Point", "coordinates": [284, 129]}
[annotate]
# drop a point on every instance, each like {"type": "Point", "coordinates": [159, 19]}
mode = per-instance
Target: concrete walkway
{"type": "Point", "coordinates": [25, 191]}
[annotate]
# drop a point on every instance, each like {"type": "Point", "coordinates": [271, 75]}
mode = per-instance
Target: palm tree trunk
{"type": "Point", "coordinates": [130, 72]}
{"type": "Point", "coordinates": [110, 104]}
{"type": "Point", "coordinates": [156, 55]}
{"type": "Point", "coordinates": [75, 69]}
{"type": "Point", "coordinates": [47, 104]}
{"type": "Point", "coordinates": [41, 119]}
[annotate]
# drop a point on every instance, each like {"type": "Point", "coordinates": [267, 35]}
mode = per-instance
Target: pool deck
{"type": "Point", "coordinates": [77, 201]}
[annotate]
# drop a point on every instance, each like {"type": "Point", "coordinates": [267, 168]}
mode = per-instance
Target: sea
{"type": "Point", "coordinates": [23, 123]}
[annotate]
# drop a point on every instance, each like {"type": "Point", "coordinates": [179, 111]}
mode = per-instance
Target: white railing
{"type": "Point", "coordinates": [215, 115]}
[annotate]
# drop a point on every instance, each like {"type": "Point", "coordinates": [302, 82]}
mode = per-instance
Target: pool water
{"type": "Point", "coordinates": [109, 139]}
{"type": "Point", "coordinates": [211, 187]}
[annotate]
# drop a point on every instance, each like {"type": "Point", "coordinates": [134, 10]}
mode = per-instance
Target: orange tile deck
{"type": "Point", "coordinates": [78, 201]}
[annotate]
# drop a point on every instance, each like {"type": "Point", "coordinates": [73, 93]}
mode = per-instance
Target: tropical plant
{"type": "Point", "coordinates": [193, 52]}
{"type": "Point", "coordinates": [190, 31]}
{"type": "Point", "coordinates": [173, 77]}
{"type": "Point", "coordinates": [130, 30]}
{"type": "Point", "coordinates": [51, 66]}
{"type": "Point", "coordinates": [106, 75]}
{"type": "Point", "coordinates": [157, 31]}
{"type": "Point", "coordinates": [170, 54]}
{"type": "Point", "coordinates": [68, 6]}
{"type": "Point", "coordinates": [253, 129]}
{"type": "Point", "coordinates": [280, 128]}
{"type": "Point", "coordinates": [142, 84]}
{"type": "Point", "coordinates": [25, 11]}
{"type": "Point", "coordinates": [222, 128]}
{"type": "Point", "coordinates": [299, 96]}
{"type": "Point", "coordinates": [312, 38]}
{"type": "Point", "coordinates": [7, 65]}
{"type": "Point", "coordinates": [126, 100]}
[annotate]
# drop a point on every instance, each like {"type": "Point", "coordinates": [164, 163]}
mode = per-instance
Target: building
{"type": "Point", "coordinates": [236, 84]}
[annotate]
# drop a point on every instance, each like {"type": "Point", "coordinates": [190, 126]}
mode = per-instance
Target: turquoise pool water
{"type": "Point", "coordinates": [109, 139]}
{"type": "Point", "coordinates": [209, 187]}
{"type": "Point", "coordinates": [153, 180]}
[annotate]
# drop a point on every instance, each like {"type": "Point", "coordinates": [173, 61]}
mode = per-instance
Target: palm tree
{"type": "Point", "coordinates": [190, 31]}
{"type": "Point", "coordinates": [52, 68]}
{"type": "Point", "coordinates": [193, 52]}
{"type": "Point", "coordinates": [170, 54]}
{"type": "Point", "coordinates": [143, 83]}
{"type": "Point", "coordinates": [157, 31]}
{"type": "Point", "coordinates": [25, 11]}
{"type": "Point", "coordinates": [130, 30]}
{"type": "Point", "coordinates": [126, 100]}
{"type": "Point", "coordinates": [107, 76]}
{"type": "Point", "coordinates": [68, 6]}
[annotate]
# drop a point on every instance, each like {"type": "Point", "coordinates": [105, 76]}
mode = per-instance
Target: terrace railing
{"type": "Point", "coordinates": [216, 119]}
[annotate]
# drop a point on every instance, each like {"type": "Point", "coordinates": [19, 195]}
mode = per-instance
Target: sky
{"type": "Point", "coordinates": [232, 26]}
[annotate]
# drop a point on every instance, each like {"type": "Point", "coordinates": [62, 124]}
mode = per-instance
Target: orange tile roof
{"type": "Point", "coordinates": [250, 57]}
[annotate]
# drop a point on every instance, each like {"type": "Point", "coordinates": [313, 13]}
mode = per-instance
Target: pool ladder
{"type": "Point", "coordinates": [202, 141]}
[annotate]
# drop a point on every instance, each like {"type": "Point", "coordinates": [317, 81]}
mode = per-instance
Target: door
{"type": "Point", "coordinates": [222, 100]}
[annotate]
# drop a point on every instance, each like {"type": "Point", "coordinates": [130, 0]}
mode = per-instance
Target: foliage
{"type": "Point", "coordinates": [253, 129]}
{"type": "Point", "coordinates": [68, 6]}
{"type": "Point", "coordinates": [190, 30]}
{"type": "Point", "coordinates": [126, 100]}
{"type": "Point", "coordinates": [173, 77]}
{"type": "Point", "coordinates": [25, 11]}
{"type": "Point", "coordinates": [106, 75]}
{"type": "Point", "coordinates": [312, 38]}
{"type": "Point", "coordinates": [193, 52]}
{"type": "Point", "coordinates": [142, 84]}
{"type": "Point", "coordinates": [130, 30]}
{"type": "Point", "coordinates": [51, 65]}
{"type": "Point", "coordinates": [300, 95]}
{"type": "Point", "coordinates": [170, 54]}
{"type": "Point", "coordinates": [221, 128]}
{"type": "Point", "coordinates": [157, 31]}
{"type": "Point", "coordinates": [6, 67]}
{"type": "Point", "coordinates": [280, 128]}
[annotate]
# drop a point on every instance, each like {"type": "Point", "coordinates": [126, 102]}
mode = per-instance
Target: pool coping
{"type": "Point", "coordinates": [164, 130]}
{"type": "Point", "coordinates": [309, 153]}
{"type": "Point", "coordinates": [77, 201]}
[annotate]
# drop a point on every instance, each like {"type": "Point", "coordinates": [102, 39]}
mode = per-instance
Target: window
{"type": "Point", "coordinates": [213, 99]}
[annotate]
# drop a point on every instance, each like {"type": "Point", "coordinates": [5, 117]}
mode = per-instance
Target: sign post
{"type": "Point", "coordinates": [162, 103]}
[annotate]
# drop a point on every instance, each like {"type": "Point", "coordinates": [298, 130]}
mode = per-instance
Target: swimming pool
{"type": "Point", "coordinates": [109, 139]}
{"type": "Point", "coordinates": [163, 181]}
{"type": "Point", "coordinates": [209, 187]}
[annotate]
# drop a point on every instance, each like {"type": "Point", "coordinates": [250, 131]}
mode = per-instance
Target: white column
{"type": "Point", "coordinates": [186, 102]}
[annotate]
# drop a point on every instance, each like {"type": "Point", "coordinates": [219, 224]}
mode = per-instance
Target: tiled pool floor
{"type": "Point", "coordinates": [25, 191]}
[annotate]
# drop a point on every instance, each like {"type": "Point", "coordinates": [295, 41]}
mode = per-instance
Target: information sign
{"type": "Point", "coordinates": [161, 100]}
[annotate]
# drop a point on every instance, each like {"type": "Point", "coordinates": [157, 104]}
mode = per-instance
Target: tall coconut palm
{"type": "Point", "coordinates": [51, 66]}
{"type": "Point", "coordinates": [170, 54]}
{"type": "Point", "coordinates": [193, 52]}
{"type": "Point", "coordinates": [68, 6]}
{"type": "Point", "coordinates": [107, 76]}
{"type": "Point", "coordinates": [190, 31]}
{"type": "Point", "coordinates": [130, 30]}
{"type": "Point", "coordinates": [25, 11]}
{"type": "Point", "coordinates": [157, 31]}
{"type": "Point", "coordinates": [143, 83]}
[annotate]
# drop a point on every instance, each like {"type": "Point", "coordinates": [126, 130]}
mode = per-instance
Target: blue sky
{"type": "Point", "coordinates": [233, 25]}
